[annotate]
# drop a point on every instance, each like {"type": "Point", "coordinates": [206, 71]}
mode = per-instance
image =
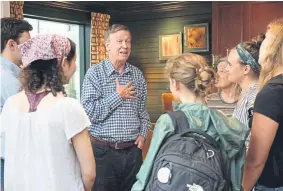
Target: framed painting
{"type": "Point", "coordinates": [196, 38]}
{"type": "Point", "coordinates": [170, 45]}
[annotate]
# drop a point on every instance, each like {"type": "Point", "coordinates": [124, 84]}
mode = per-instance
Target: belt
{"type": "Point", "coordinates": [121, 145]}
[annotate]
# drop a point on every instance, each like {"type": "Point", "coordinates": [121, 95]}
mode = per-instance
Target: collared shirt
{"type": "Point", "coordinates": [113, 118]}
{"type": "Point", "coordinates": [10, 85]}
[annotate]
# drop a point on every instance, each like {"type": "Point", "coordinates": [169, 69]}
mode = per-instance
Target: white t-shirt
{"type": "Point", "coordinates": [39, 151]}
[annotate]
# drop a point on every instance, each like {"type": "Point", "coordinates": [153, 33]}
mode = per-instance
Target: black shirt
{"type": "Point", "coordinates": [269, 102]}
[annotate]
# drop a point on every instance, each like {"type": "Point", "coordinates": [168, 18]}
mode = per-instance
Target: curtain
{"type": "Point", "coordinates": [17, 9]}
{"type": "Point", "coordinates": [99, 25]}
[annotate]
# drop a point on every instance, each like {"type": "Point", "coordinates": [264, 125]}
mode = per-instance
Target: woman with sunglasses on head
{"type": "Point", "coordinates": [264, 163]}
{"type": "Point", "coordinates": [243, 68]}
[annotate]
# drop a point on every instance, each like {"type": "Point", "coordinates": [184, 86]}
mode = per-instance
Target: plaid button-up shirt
{"type": "Point", "coordinates": [113, 118]}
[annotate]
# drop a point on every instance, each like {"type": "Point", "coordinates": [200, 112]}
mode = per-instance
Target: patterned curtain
{"type": "Point", "coordinates": [17, 9]}
{"type": "Point", "coordinates": [99, 25]}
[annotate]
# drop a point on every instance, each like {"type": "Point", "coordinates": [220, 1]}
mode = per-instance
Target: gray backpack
{"type": "Point", "coordinates": [189, 160]}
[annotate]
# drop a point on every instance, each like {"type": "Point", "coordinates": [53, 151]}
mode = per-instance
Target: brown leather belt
{"type": "Point", "coordinates": [122, 145]}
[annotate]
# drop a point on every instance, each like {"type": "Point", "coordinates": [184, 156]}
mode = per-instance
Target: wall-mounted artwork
{"type": "Point", "coordinates": [170, 45]}
{"type": "Point", "coordinates": [196, 37]}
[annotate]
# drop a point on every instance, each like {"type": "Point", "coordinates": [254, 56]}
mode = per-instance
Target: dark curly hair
{"type": "Point", "coordinates": [46, 73]}
{"type": "Point", "coordinates": [12, 28]}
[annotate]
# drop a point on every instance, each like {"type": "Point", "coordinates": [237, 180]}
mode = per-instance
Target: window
{"type": "Point", "coordinates": [69, 30]}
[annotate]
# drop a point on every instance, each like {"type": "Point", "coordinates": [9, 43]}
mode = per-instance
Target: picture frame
{"type": "Point", "coordinates": [170, 45]}
{"type": "Point", "coordinates": [196, 37]}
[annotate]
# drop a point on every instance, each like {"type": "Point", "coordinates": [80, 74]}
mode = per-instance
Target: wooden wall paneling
{"type": "Point", "coordinates": [261, 14]}
{"type": "Point", "coordinates": [234, 22]}
{"type": "Point", "coordinates": [214, 28]}
{"type": "Point", "coordinates": [192, 8]}
{"type": "Point", "coordinates": [246, 22]}
{"type": "Point", "coordinates": [230, 26]}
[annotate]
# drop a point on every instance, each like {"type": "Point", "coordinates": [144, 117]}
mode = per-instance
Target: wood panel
{"type": "Point", "coordinates": [228, 26]}
{"type": "Point", "coordinates": [234, 22]}
{"type": "Point", "coordinates": [145, 29]}
{"type": "Point", "coordinates": [262, 13]}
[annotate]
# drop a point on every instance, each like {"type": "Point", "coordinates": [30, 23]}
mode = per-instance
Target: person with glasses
{"type": "Point", "coordinates": [243, 68]}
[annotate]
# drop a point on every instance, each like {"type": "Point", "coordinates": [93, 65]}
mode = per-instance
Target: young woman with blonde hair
{"type": "Point", "coordinates": [264, 163]}
{"type": "Point", "coordinates": [190, 81]}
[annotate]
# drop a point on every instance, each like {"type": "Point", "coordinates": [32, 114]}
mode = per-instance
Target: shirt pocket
{"type": "Point", "coordinates": [108, 88]}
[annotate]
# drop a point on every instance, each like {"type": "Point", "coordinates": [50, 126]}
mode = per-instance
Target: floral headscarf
{"type": "Point", "coordinates": [44, 47]}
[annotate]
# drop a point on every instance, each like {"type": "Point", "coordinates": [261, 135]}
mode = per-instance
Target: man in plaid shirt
{"type": "Point", "coordinates": [114, 96]}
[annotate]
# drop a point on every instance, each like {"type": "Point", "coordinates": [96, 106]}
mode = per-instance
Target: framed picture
{"type": "Point", "coordinates": [196, 38]}
{"type": "Point", "coordinates": [170, 45]}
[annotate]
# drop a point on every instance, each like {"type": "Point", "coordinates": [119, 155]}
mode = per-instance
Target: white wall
{"type": "Point", "coordinates": [5, 8]}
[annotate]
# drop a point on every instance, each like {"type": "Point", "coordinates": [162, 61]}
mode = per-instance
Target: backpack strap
{"type": "Point", "coordinates": [200, 133]}
{"type": "Point", "coordinates": [180, 121]}
{"type": "Point", "coordinates": [182, 127]}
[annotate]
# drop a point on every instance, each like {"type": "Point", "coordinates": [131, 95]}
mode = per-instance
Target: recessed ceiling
{"type": "Point", "coordinates": [118, 6]}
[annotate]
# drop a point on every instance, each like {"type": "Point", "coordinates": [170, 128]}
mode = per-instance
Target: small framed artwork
{"type": "Point", "coordinates": [170, 45]}
{"type": "Point", "coordinates": [196, 38]}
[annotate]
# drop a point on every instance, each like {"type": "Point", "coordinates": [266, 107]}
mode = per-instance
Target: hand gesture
{"type": "Point", "coordinates": [140, 142]}
{"type": "Point", "coordinates": [126, 91]}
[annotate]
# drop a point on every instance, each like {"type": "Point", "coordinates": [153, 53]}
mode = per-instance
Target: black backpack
{"type": "Point", "coordinates": [189, 160]}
